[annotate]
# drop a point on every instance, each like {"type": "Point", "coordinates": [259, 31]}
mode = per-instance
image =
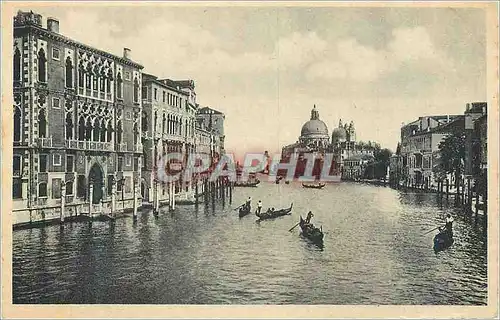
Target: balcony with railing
{"type": "Point", "coordinates": [44, 142]}
{"type": "Point", "coordinates": [122, 147]}
{"type": "Point", "coordinates": [89, 145]}
{"type": "Point", "coordinates": [41, 201]}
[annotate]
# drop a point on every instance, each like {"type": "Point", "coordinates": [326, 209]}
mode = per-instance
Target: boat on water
{"type": "Point", "coordinates": [314, 186]}
{"type": "Point", "coordinates": [443, 240]}
{"type": "Point", "coordinates": [247, 183]}
{"type": "Point", "coordinates": [244, 210]}
{"type": "Point", "coordinates": [269, 214]}
{"type": "Point", "coordinates": [311, 232]}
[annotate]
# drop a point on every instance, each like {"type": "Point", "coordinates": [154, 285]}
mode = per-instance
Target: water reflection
{"type": "Point", "coordinates": [374, 252]}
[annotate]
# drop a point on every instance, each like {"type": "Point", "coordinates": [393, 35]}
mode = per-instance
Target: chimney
{"type": "Point", "coordinates": [447, 118]}
{"type": "Point", "coordinates": [126, 53]}
{"type": "Point", "coordinates": [53, 25]}
{"type": "Point", "coordinates": [467, 107]}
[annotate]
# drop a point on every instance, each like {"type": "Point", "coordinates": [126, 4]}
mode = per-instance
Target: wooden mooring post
{"type": "Point", "coordinates": [447, 189]}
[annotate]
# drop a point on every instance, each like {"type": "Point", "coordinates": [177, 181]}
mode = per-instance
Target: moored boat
{"type": "Point", "coordinates": [311, 232]}
{"type": "Point", "coordinates": [443, 240]}
{"type": "Point", "coordinates": [269, 214]}
{"type": "Point", "coordinates": [314, 186]}
{"type": "Point", "coordinates": [247, 183]}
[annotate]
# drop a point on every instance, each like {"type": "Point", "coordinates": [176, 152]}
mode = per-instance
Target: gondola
{"type": "Point", "coordinates": [311, 232]}
{"type": "Point", "coordinates": [247, 183]}
{"type": "Point", "coordinates": [314, 186]}
{"type": "Point", "coordinates": [274, 214]}
{"type": "Point", "coordinates": [244, 210]}
{"type": "Point", "coordinates": [443, 240]}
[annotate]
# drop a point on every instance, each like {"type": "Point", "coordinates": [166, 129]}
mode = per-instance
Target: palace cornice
{"type": "Point", "coordinates": [66, 40]}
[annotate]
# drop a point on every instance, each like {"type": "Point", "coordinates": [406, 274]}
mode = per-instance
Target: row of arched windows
{"type": "Point", "coordinates": [170, 125]}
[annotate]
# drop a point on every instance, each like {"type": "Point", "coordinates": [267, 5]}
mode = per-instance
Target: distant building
{"type": "Point", "coordinates": [77, 120]}
{"type": "Point", "coordinates": [168, 125]}
{"type": "Point", "coordinates": [213, 121]}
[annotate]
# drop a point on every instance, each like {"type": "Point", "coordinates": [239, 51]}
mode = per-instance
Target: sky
{"type": "Point", "coordinates": [265, 67]}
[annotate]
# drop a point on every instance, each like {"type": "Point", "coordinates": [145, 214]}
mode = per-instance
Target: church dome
{"type": "Point", "coordinates": [339, 134]}
{"type": "Point", "coordinates": [314, 127]}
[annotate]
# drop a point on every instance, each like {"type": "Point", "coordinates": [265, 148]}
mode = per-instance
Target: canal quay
{"type": "Point", "coordinates": [375, 252]}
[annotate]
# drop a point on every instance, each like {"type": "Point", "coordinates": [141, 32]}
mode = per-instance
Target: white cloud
{"type": "Point", "coordinates": [299, 49]}
{"type": "Point", "coordinates": [353, 61]}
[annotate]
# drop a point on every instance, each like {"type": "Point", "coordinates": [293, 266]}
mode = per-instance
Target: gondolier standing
{"type": "Point", "coordinates": [248, 203]}
{"type": "Point", "coordinates": [309, 216]}
{"type": "Point", "coordinates": [259, 206]}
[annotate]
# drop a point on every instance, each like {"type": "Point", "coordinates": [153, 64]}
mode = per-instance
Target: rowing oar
{"type": "Point", "coordinates": [430, 230]}
{"type": "Point", "coordinates": [238, 207]}
{"type": "Point", "coordinates": [294, 226]}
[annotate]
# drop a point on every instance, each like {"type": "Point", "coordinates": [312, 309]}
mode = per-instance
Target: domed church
{"type": "Point", "coordinates": [314, 138]}
{"type": "Point", "coordinates": [314, 133]}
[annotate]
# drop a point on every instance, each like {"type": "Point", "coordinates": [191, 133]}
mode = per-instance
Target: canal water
{"type": "Point", "coordinates": [374, 253]}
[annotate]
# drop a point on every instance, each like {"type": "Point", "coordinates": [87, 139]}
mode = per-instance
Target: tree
{"type": "Point", "coordinates": [452, 149]}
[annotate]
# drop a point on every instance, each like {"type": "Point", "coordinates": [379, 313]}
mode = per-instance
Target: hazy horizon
{"type": "Point", "coordinates": [265, 67]}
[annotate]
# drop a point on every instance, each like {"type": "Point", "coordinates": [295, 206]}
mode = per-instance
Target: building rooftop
{"type": "Point", "coordinates": [31, 20]}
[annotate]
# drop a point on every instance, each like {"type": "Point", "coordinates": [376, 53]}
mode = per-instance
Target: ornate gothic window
{"type": "Point", "coordinates": [81, 129]}
{"type": "Point", "coordinates": [103, 131]}
{"type": "Point", "coordinates": [88, 130]}
{"type": "Point", "coordinates": [17, 65]}
{"type": "Point", "coordinates": [102, 84]}
{"type": "Point", "coordinates": [109, 131]}
{"type": "Point", "coordinates": [17, 124]}
{"type": "Point", "coordinates": [136, 90]}
{"type": "Point", "coordinates": [97, 128]}
{"type": "Point", "coordinates": [95, 81]}
{"type": "Point", "coordinates": [81, 77]}
{"type": "Point", "coordinates": [119, 83]}
{"type": "Point", "coordinates": [42, 66]}
{"type": "Point", "coordinates": [69, 73]}
{"type": "Point", "coordinates": [42, 124]}
{"type": "Point", "coordinates": [69, 126]}
{"type": "Point", "coordinates": [119, 132]}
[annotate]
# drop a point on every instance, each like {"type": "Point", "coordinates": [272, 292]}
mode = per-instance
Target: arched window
{"type": "Point", "coordinates": [69, 126]}
{"type": "Point", "coordinates": [81, 129]}
{"type": "Point", "coordinates": [69, 188]}
{"type": "Point", "coordinates": [163, 124]}
{"type": "Point", "coordinates": [81, 77]}
{"type": "Point", "coordinates": [109, 131]}
{"type": "Point", "coordinates": [155, 121]}
{"type": "Point", "coordinates": [136, 90]}
{"type": "Point", "coordinates": [144, 121]}
{"type": "Point", "coordinates": [102, 84]}
{"type": "Point", "coordinates": [103, 131]}
{"type": "Point", "coordinates": [97, 128]}
{"type": "Point", "coordinates": [42, 66]}
{"type": "Point", "coordinates": [119, 132]}
{"type": "Point", "coordinates": [109, 78]}
{"type": "Point", "coordinates": [17, 124]}
{"type": "Point", "coordinates": [136, 134]}
{"type": "Point", "coordinates": [17, 65]}
{"type": "Point", "coordinates": [42, 124]}
{"type": "Point", "coordinates": [119, 83]}
{"type": "Point", "coordinates": [69, 73]}
{"type": "Point", "coordinates": [42, 189]}
{"type": "Point", "coordinates": [88, 130]}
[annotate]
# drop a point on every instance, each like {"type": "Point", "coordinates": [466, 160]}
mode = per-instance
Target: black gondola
{"type": "Point", "coordinates": [311, 232]}
{"type": "Point", "coordinates": [247, 183]}
{"type": "Point", "coordinates": [443, 240]}
{"type": "Point", "coordinates": [244, 210]}
{"type": "Point", "coordinates": [314, 186]}
{"type": "Point", "coordinates": [274, 214]}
